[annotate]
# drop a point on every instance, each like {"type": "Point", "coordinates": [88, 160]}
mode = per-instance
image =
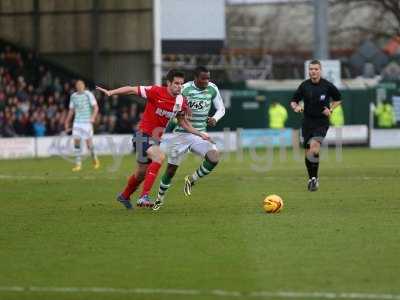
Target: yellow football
{"type": "Point", "coordinates": [272, 204]}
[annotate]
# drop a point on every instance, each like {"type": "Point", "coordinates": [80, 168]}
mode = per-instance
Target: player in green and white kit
{"type": "Point", "coordinates": [83, 104]}
{"type": "Point", "coordinates": [200, 94]}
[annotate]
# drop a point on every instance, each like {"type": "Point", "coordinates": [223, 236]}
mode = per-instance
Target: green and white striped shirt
{"type": "Point", "coordinates": [200, 103]}
{"type": "Point", "coordinates": [83, 104]}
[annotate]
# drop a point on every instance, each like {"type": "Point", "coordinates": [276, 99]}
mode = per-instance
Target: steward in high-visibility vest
{"type": "Point", "coordinates": [277, 114]}
{"type": "Point", "coordinates": [337, 117]}
{"type": "Point", "coordinates": [385, 115]}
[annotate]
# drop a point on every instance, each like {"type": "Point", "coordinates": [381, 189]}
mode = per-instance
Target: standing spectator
{"type": "Point", "coordinates": [385, 115]}
{"type": "Point", "coordinates": [337, 117]}
{"type": "Point", "coordinates": [277, 114]}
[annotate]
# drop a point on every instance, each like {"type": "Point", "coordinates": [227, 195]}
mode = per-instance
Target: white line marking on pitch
{"type": "Point", "coordinates": [118, 177]}
{"type": "Point", "coordinates": [52, 177]}
{"type": "Point", "coordinates": [191, 292]}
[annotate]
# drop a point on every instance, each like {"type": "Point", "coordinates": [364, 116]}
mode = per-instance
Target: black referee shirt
{"type": "Point", "coordinates": [316, 97]}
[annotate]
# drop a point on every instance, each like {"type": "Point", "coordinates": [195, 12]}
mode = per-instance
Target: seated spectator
{"type": "Point", "coordinates": [111, 124]}
{"type": "Point", "coordinates": [22, 125]}
{"type": "Point", "coordinates": [8, 128]}
{"type": "Point", "coordinates": [34, 99]}
{"type": "Point", "coordinates": [39, 126]}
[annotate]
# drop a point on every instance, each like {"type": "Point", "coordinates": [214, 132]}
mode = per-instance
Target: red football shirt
{"type": "Point", "coordinates": [159, 109]}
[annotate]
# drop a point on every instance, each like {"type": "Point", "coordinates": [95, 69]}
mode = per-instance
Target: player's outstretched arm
{"type": "Point", "coordinates": [125, 90]}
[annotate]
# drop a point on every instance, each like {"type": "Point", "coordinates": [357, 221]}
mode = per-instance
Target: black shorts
{"type": "Point", "coordinates": [318, 133]}
{"type": "Point", "coordinates": [141, 142]}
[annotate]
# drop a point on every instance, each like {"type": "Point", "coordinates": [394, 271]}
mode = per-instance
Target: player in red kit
{"type": "Point", "coordinates": [163, 103]}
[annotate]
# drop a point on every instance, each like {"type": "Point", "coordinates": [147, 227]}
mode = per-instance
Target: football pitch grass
{"type": "Point", "coordinates": [63, 234]}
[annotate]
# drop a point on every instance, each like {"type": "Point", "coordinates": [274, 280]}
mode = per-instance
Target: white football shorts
{"type": "Point", "coordinates": [82, 131]}
{"type": "Point", "coordinates": [178, 144]}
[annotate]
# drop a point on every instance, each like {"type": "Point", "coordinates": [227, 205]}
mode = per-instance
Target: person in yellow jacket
{"type": "Point", "coordinates": [385, 115]}
{"type": "Point", "coordinates": [337, 117]}
{"type": "Point", "coordinates": [277, 114]}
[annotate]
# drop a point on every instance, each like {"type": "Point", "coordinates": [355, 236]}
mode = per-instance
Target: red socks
{"type": "Point", "coordinates": [132, 185]}
{"type": "Point", "coordinates": [151, 175]}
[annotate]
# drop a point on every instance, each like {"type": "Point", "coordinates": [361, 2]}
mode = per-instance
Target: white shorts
{"type": "Point", "coordinates": [82, 131]}
{"type": "Point", "coordinates": [178, 144]}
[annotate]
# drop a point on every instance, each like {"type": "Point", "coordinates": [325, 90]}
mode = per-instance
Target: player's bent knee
{"type": "Point", "coordinates": [315, 150]}
{"type": "Point", "coordinates": [156, 154]}
{"type": "Point", "coordinates": [213, 156]}
{"type": "Point", "coordinates": [171, 170]}
{"type": "Point", "coordinates": [314, 147]}
{"type": "Point", "coordinates": [159, 157]}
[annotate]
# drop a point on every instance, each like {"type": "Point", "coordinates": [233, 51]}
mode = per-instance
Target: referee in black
{"type": "Point", "coordinates": [320, 98]}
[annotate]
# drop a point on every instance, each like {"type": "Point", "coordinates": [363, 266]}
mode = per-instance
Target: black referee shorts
{"type": "Point", "coordinates": [308, 133]}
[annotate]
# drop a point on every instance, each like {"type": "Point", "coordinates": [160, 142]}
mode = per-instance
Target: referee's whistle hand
{"type": "Point", "coordinates": [298, 109]}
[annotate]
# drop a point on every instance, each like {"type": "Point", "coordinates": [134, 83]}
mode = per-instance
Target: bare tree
{"type": "Point", "coordinates": [270, 26]}
{"type": "Point", "coordinates": [376, 19]}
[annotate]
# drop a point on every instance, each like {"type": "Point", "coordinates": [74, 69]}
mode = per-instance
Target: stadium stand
{"type": "Point", "coordinates": [34, 97]}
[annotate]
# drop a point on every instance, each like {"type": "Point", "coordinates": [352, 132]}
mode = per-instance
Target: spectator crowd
{"type": "Point", "coordinates": [34, 99]}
